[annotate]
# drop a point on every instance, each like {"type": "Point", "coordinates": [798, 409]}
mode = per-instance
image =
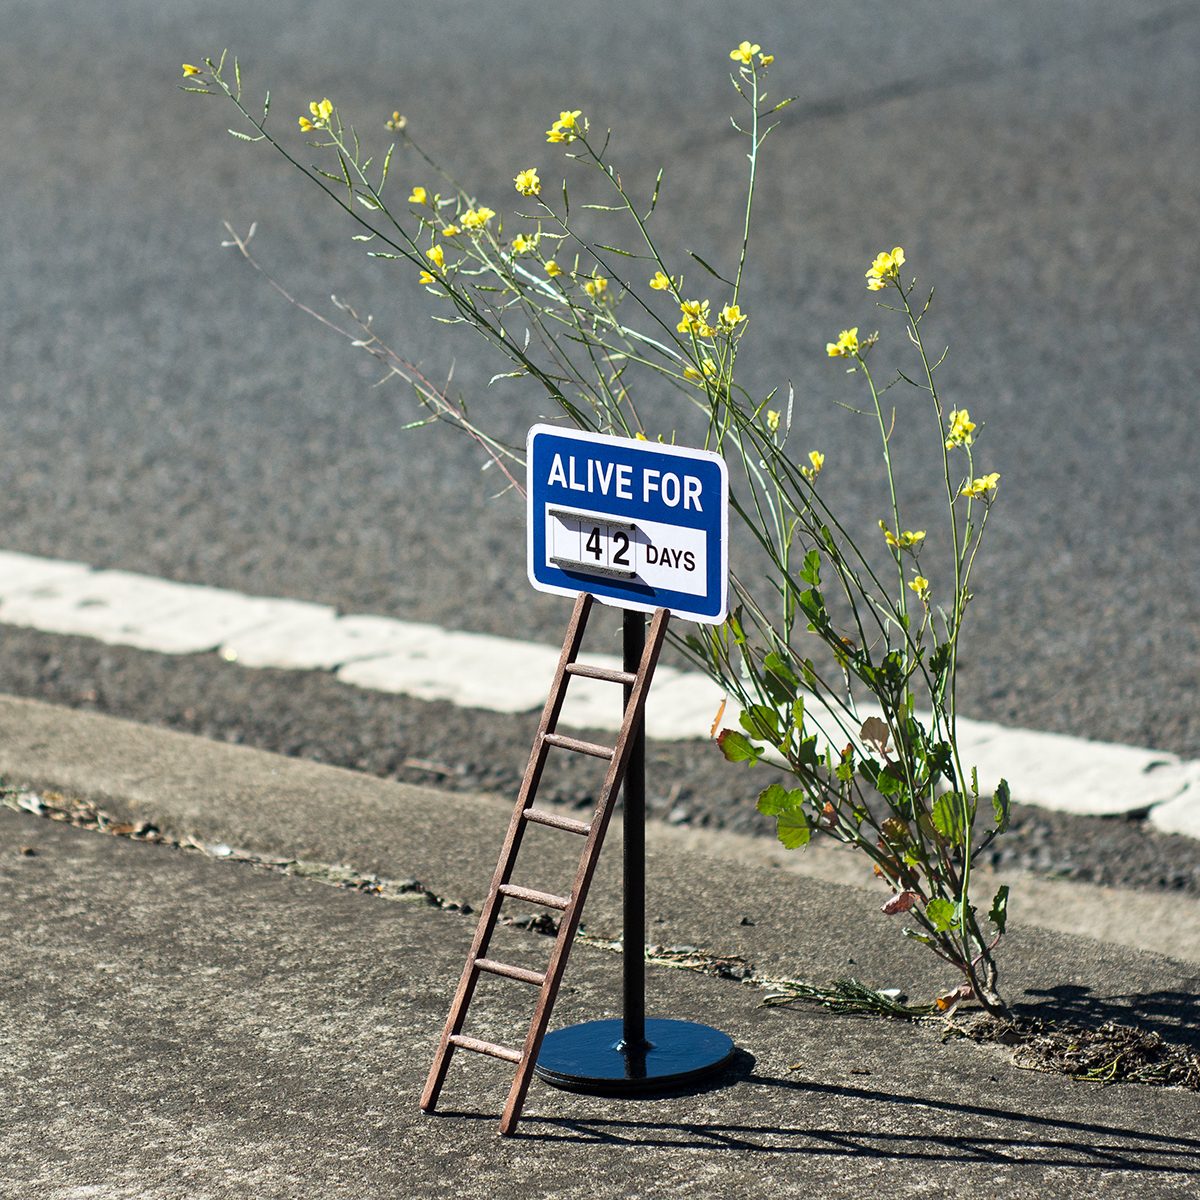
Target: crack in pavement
{"type": "Point", "coordinates": [86, 815]}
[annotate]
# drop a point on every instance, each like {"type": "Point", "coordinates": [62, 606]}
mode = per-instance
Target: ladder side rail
{"type": "Point", "coordinates": [512, 842]}
{"type": "Point", "coordinates": [569, 921]}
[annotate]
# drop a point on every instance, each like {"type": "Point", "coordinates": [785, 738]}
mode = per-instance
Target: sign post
{"type": "Point", "coordinates": [640, 526]}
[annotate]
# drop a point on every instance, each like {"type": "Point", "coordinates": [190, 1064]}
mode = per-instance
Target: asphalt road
{"type": "Point", "coordinates": [164, 412]}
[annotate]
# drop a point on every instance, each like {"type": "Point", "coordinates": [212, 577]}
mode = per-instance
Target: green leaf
{"type": "Point", "coordinates": [733, 623]}
{"type": "Point", "coordinates": [792, 829]}
{"type": "Point", "coordinates": [777, 690]}
{"type": "Point", "coordinates": [948, 817]}
{"type": "Point", "coordinates": [811, 571]}
{"type": "Point", "coordinates": [791, 825]}
{"type": "Point", "coordinates": [813, 605]}
{"type": "Point", "coordinates": [806, 755]}
{"type": "Point", "coordinates": [939, 660]}
{"type": "Point", "coordinates": [779, 667]}
{"type": "Point", "coordinates": [773, 800]}
{"type": "Point", "coordinates": [888, 782]}
{"type": "Point", "coordinates": [1001, 804]}
{"type": "Point", "coordinates": [943, 915]}
{"type": "Point", "coordinates": [759, 721]}
{"type": "Point", "coordinates": [737, 747]}
{"type": "Point", "coordinates": [939, 758]}
{"type": "Point", "coordinates": [998, 913]}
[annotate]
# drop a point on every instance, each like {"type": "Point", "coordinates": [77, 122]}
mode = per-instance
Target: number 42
{"type": "Point", "coordinates": [619, 537]}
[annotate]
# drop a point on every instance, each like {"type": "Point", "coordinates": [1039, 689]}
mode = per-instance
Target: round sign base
{"type": "Point", "coordinates": [593, 1058]}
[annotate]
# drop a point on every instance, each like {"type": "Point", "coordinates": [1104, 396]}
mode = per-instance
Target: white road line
{"type": "Point", "coordinates": [506, 675]}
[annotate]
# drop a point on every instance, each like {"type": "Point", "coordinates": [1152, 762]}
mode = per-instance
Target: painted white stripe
{"type": "Point", "coordinates": [506, 675]}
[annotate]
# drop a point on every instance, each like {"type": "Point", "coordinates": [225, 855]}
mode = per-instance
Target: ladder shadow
{"type": "Point", "coordinates": [1031, 1140]}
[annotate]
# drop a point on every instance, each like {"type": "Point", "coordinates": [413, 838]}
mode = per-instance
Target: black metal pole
{"type": "Point", "coordinates": [634, 1027]}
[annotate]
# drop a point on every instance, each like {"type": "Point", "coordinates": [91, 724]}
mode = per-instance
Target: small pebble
{"type": "Point", "coordinates": [28, 851]}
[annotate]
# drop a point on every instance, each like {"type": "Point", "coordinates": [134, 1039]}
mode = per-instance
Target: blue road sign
{"type": "Point", "coordinates": [637, 524]}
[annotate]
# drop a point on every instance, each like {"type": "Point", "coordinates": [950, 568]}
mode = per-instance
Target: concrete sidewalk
{"type": "Point", "coordinates": [174, 1025]}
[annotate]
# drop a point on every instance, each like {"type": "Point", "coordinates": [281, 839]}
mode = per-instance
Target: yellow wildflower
{"type": "Point", "coordinates": [906, 540]}
{"type": "Point", "coordinates": [527, 182]}
{"type": "Point", "coordinates": [563, 130]}
{"type": "Point", "coordinates": [745, 53]}
{"type": "Point", "coordinates": [189, 70]}
{"type": "Point", "coordinates": [522, 244]}
{"type": "Point", "coordinates": [695, 318]}
{"type": "Point", "coordinates": [691, 373]}
{"type": "Point", "coordinates": [846, 346]}
{"type": "Point", "coordinates": [451, 231]}
{"type": "Point", "coordinates": [981, 488]}
{"type": "Point", "coordinates": [709, 367]}
{"type": "Point", "coordinates": [731, 316]}
{"type": "Point", "coordinates": [639, 436]}
{"type": "Point", "coordinates": [920, 585]}
{"type": "Point", "coordinates": [397, 122]}
{"type": "Point", "coordinates": [321, 111]}
{"type": "Point", "coordinates": [477, 218]}
{"type": "Point", "coordinates": [660, 282]}
{"type": "Point", "coordinates": [766, 59]}
{"type": "Point", "coordinates": [553, 269]}
{"type": "Point", "coordinates": [961, 429]}
{"type": "Point", "coordinates": [419, 196]}
{"type": "Point", "coordinates": [437, 256]}
{"type": "Point", "coordinates": [596, 286]}
{"type": "Point", "coordinates": [885, 268]}
{"type": "Point", "coordinates": [426, 277]}
{"type": "Point", "coordinates": [773, 420]}
{"type": "Point", "coordinates": [817, 461]}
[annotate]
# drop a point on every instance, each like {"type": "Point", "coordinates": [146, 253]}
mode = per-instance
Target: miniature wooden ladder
{"type": "Point", "coordinates": [636, 687]}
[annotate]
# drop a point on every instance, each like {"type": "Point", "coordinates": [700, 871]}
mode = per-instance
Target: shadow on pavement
{"type": "Point", "coordinates": [1174, 1014]}
{"type": "Point", "coordinates": [1035, 1140]}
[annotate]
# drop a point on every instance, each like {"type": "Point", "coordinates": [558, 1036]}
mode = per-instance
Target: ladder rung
{"type": "Point", "coordinates": [569, 743]}
{"type": "Point", "coordinates": [510, 972]}
{"type": "Point", "coordinates": [543, 898]}
{"type": "Point", "coordinates": [470, 1043]}
{"type": "Point", "coordinates": [626, 677]}
{"type": "Point", "coordinates": [570, 824]}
